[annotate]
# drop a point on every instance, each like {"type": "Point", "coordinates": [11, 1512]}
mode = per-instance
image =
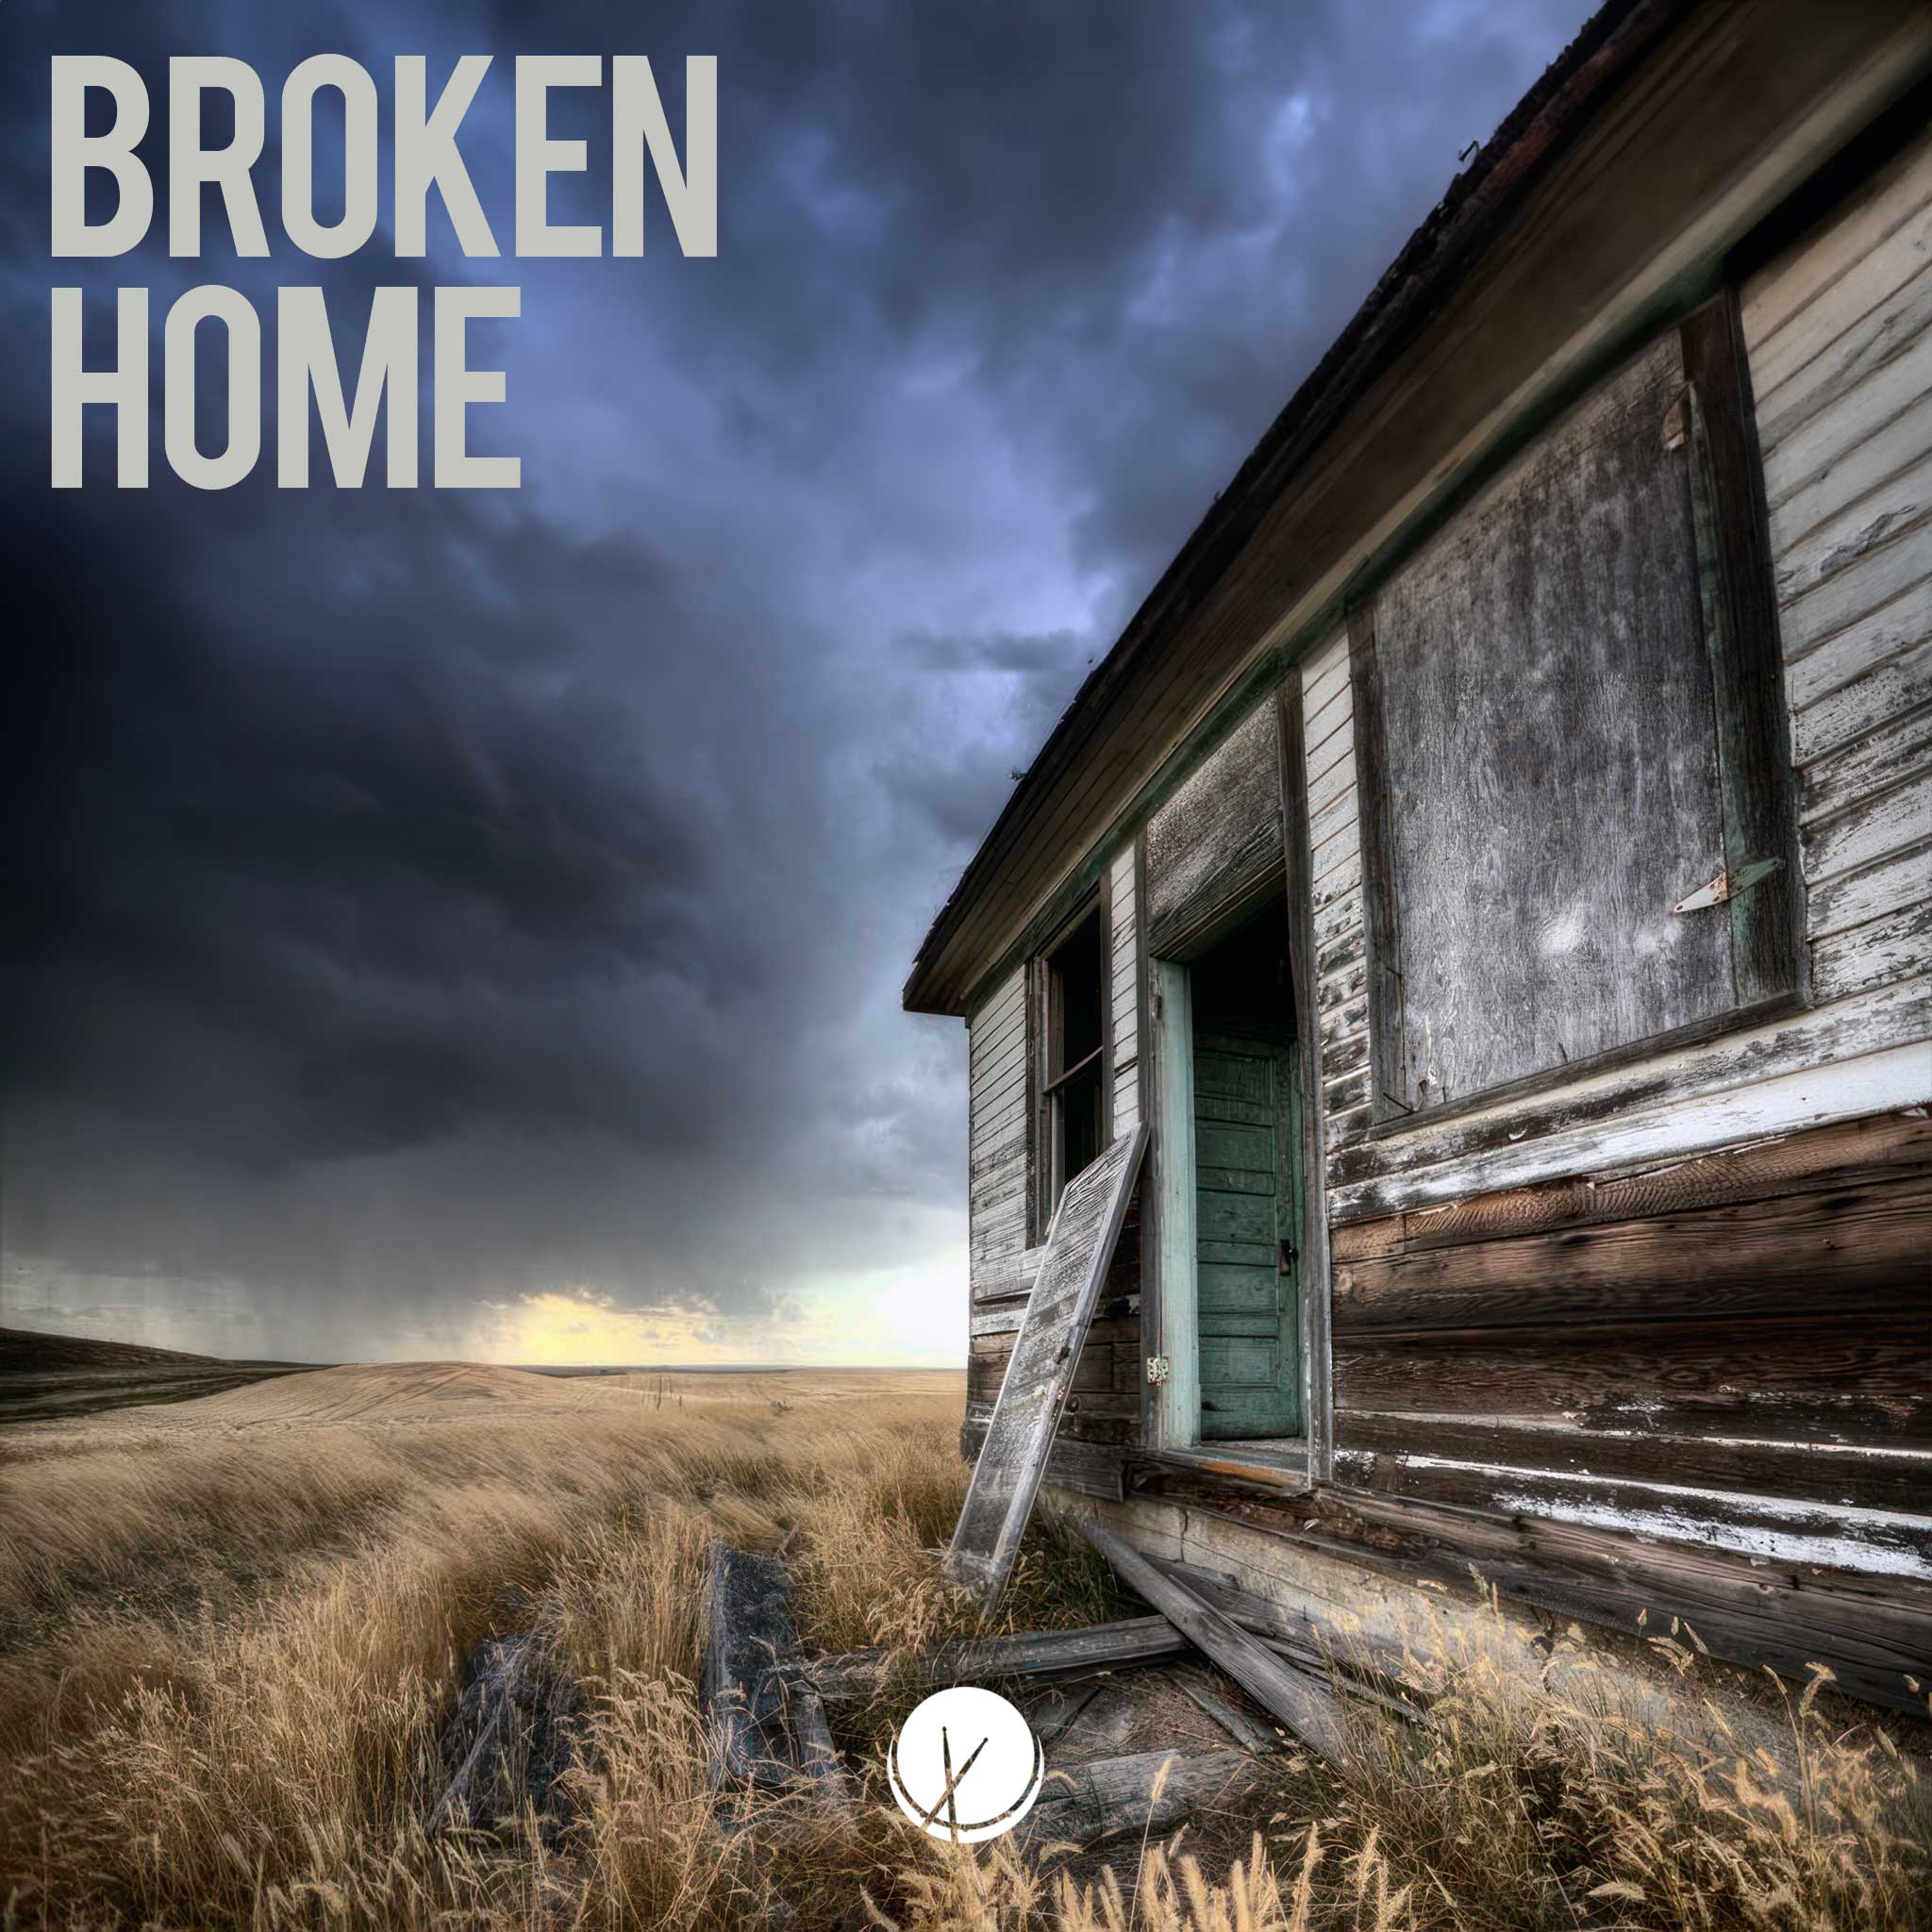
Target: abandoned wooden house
{"type": "Point", "coordinates": [1491, 876]}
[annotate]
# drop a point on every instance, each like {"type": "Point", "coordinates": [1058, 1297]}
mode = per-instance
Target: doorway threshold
{"type": "Point", "coordinates": [1276, 1462]}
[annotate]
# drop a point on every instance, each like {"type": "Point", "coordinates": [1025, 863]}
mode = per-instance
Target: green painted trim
{"type": "Point", "coordinates": [1171, 1034]}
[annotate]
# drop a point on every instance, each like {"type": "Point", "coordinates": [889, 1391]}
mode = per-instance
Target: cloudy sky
{"type": "Point", "coordinates": [472, 922]}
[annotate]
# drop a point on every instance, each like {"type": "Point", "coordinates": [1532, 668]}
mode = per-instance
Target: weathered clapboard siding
{"type": "Point", "coordinates": [1735, 1350]}
{"type": "Point", "coordinates": [1125, 992]}
{"type": "Point", "coordinates": [1842, 365]}
{"type": "Point", "coordinates": [1328, 757]}
{"type": "Point", "coordinates": [1105, 1403]}
{"type": "Point", "coordinates": [996, 1141]}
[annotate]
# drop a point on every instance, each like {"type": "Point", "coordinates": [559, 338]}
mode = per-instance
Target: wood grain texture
{"type": "Point", "coordinates": [1127, 993]}
{"type": "Point", "coordinates": [1146, 1792]}
{"type": "Point", "coordinates": [1835, 1379]}
{"type": "Point", "coordinates": [1881, 1147]}
{"type": "Point", "coordinates": [1318, 1427]}
{"type": "Point", "coordinates": [996, 1138]}
{"type": "Point", "coordinates": [1827, 1535]}
{"type": "Point", "coordinates": [1657, 1107]}
{"type": "Point", "coordinates": [859, 1673]}
{"type": "Point", "coordinates": [1219, 833]}
{"type": "Point", "coordinates": [1388, 1079]}
{"type": "Point", "coordinates": [1872, 1630]}
{"type": "Point", "coordinates": [1719, 1350]}
{"type": "Point", "coordinates": [1553, 778]}
{"type": "Point", "coordinates": [1301, 1700]}
{"type": "Point", "coordinates": [1866, 1245]}
{"type": "Point", "coordinates": [1785, 310]}
{"type": "Point", "coordinates": [1841, 362]}
{"type": "Point", "coordinates": [1074, 1462]}
{"type": "Point", "coordinates": [767, 1727]}
{"type": "Point", "coordinates": [1740, 635]}
{"type": "Point", "coordinates": [1378, 1451]}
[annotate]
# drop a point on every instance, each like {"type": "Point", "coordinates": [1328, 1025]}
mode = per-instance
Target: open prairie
{"type": "Point", "coordinates": [47, 1376]}
{"type": "Point", "coordinates": [233, 1631]}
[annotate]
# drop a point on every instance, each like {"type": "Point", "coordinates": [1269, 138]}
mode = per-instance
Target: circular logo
{"type": "Point", "coordinates": [965, 1766]}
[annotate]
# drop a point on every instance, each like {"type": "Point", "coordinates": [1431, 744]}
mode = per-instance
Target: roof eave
{"type": "Point", "coordinates": [1427, 270]}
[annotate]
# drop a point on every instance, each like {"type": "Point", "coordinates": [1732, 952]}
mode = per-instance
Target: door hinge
{"type": "Point", "coordinates": [1157, 1368]}
{"type": "Point", "coordinates": [1728, 885]}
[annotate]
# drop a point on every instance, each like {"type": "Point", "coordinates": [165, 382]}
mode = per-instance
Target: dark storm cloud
{"type": "Point", "coordinates": [422, 899]}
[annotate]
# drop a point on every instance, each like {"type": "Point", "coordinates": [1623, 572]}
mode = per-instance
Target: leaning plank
{"type": "Point", "coordinates": [1030, 1653]}
{"type": "Point", "coordinates": [1006, 1479]}
{"type": "Point", "coordinates": [1149, 1791]}
{"type": "Point", "coordinates": [767, 1724]}
{"type": "Point", "coordinates": [1306, 1705]}
{"type": "Point", "coordinates": [1371, 1675]}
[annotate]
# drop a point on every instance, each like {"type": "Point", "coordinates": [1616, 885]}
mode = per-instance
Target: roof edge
{"type": "Point", "coordinates": [1437, 255]}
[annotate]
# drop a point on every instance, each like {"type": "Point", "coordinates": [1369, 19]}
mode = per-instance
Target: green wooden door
{"type": "Point", "coordinates": [1247, 1215]}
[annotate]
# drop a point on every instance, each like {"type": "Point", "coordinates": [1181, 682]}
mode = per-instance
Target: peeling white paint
{"type": "Point", "coordinates": [1761, 1545]}
{"type": "Point", "coordinates": [1563, 1426]}
{"type": "Point", "coordinates": [1797, 1512]}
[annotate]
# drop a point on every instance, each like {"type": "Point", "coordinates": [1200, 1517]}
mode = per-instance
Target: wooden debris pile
{"type": "Point", "coordinates": [1145, 1720]}
{"type": "Point", "coordinates": [768, 1702]}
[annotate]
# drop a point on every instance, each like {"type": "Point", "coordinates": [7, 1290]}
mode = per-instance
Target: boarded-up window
{"type": "Point", "coordinates": [1546, 690]}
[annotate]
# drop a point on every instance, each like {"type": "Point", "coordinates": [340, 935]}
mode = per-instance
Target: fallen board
{"type": "Point", "coordinates": [768, 1724]}
{"type": "Point", "coordinates": [1007, 1476]}
{"type": "Point", "coordinates": [983, 1660]}
{"type": "Point", "coordinates": [1150, 1793]}
{"type": "Point", "coordinates": [1302, 1703]}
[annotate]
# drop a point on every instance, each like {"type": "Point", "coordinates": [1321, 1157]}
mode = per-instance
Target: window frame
{"type": "Point", "coordinates": [1770, 960]}
{"type": "Point", "coordinates": [1049, 1084]}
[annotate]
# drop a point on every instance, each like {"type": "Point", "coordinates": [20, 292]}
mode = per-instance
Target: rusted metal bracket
{"type": "Point", "coordinates": [1728, 885]}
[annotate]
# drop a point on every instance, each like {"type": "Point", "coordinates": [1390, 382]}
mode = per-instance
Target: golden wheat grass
{"type": "Point", "coordinates": [230, 1640]}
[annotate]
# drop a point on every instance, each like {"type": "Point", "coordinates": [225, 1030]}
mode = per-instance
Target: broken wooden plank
{"type": "Point", "coordinates": [768, 1725]}
{"type": "Point", "coordinates": [1304, 1705]}
{"type": "Point", "coordinates": [1371, 1674]}
{"type": "Point", "coordinates": [748, 1628]}
{"type": "Point", "coordinates": [816, 1754]}
{"type": "Point", "coordinates": [850, 1675]}
{"type": "Point", "coordinates": [984, 1659]}
{"type": "Point", "coordinates": [1073, 1699]}
{"type": "Point", "coordinates": [1006, 1477]}
{"type": "Point", "coordinates": [1194, 1683]}
{"type": "Point", "coordinates": [1151, 1791]}
{"type": "Point", "coordinates": [500, 1680]}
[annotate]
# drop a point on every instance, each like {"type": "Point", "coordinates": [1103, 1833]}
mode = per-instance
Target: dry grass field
{"type": "Point", "coordinates": [232, 1630]}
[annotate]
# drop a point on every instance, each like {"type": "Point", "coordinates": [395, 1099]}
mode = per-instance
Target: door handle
{"type": "Point", "coordinates": [1284, 1258]}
